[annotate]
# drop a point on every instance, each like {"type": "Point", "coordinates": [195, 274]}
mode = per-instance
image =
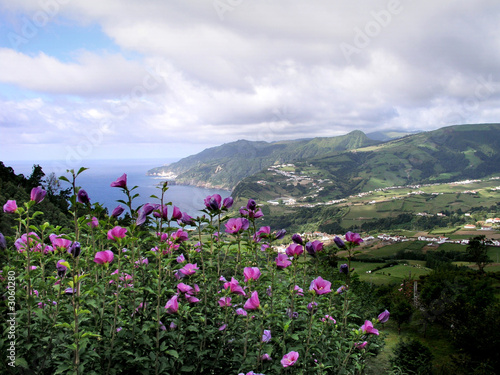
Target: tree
{"type": "Point", "coordinates": [477, 251]}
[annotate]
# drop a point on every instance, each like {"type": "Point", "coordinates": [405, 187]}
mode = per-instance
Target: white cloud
{"type": "Point", "coordinates": [261, 70]}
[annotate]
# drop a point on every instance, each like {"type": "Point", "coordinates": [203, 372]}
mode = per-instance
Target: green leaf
{"type": "Point", "coordinates": [21, 362]}
{"type": "Point", "coordinates": [82, 169]}
{"type": "Point", "coordinates": [173, 353]}
{"type": "Point", "coordinates": [64, 179]}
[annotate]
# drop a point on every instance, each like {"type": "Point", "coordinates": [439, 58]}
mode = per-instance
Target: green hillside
{"type": "Point", "coordinates": [447, 154]}
{"type": "Point", "coordinates": [225, 166]}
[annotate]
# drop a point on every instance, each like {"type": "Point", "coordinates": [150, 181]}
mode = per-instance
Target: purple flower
{"type": "Point", "coordinates": [338, 241]}
{"type": "Point", "coordinates": [186, 219]}
{"type": "Point", "coordinates": [253, 302]}
{"type": "Point", "coordinates": [289, 359]}
{"type": "Point", "coordinates": [251, 204]}
{"type": "Point", "coordinates": [282, 261]}
{"type": "Point", "coordinates": [104, 257]}
{"type": "Point", "coordinates": [280, 234]}
{"type": "Point", "coordinates": [179, 236]}
{"type": "Point", "coordinates": [213, 202]}
{"type": "Point", "coordinates": [368, 328]}
{"type": "Point", "coordinates": [294, 250]}
{"type": "Point", "coordinates": [354, 238]}
{"type": "Point", "coordinates": [225, 301]}
{"type": "Point", "coordinates": [312, 307]}
{"type": "Point", "coordinates": [10, 207]}
{"type": "Point", "coordinates": [313, 247]}
{"type": "Point", "coordinates": [383, 316]}
{"type": "Point", "coordinates": [223, 327]}
{"type": "Point", "coordinates": [189, 269]}
{"type": "Point", "coordinates": [341, 289]}
{"type": "Point", "coordinates": [184, 288]}
{"type": "Point", "coordinates": [117, 211]}
{"type": "Point", "coordinates": [120, 182]}
{"type": "Point", "coordinates": [144, 211]}
{"type": "Point", "coordinates": [3, 242]}
{"type": "Point", "coordinates": [37, 194]}
{"type": "Point", "coordinates": [83, 197]}
{"type": "Point", "coordinates": [344, 268]}
{"type": "Point", "coordinates": [251, 273]}
{"type": "Point", "coordinates": [227, 203]}
{"type": "Point", "coordinates": [61, 268]}
{"type": "Point", "coordinates": [266, 336]}
{"type": "Point", "coordinates": [181, 259]}
{"type": "Point", "coordinates": [75, 249]}
{"type": "Point", "coordinates": [116, 232]}
{"type": "Point", "coordinates": [263, 232]}
{"type": "Point", "coordinates": [297, 239]}
{"type": "Point", "coordinates": [320, 286]}
{"type": "Point", "coordinates": [172, 305]}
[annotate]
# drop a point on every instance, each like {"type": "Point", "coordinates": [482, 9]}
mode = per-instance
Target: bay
{"type": "Point", "coordinates": [101, 173]}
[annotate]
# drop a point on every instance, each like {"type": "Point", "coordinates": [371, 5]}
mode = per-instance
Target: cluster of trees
{"type": "Point", "coordinates": [18, 187]}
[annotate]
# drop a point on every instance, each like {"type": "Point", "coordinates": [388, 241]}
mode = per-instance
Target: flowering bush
{"type": "Point", "coordinates": [154, 297]}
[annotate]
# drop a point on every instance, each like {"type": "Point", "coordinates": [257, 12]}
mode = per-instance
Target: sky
{"type": "Point", "coordinates": [125, 79]}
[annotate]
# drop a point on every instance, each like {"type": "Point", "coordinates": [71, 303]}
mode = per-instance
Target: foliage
{"type": "Point", "coordinates": [477, 252]}
{"type": "Point", "coordinates": [412, 357]}
{"type": "Point", "coordinates": [168, 293]}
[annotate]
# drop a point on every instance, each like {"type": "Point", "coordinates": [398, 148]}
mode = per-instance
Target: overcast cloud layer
{"type": "Point", "coordinates": [154, 78]}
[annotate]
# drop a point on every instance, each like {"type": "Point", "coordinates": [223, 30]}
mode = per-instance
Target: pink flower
{"type": "Point", "coordinates": [266, 357]}
{"type": "Point", "coordinates": [184, 288]}
{"type": "Point", "coordinates": [383, 316]}
{"type": "Point", "coordinates": [294, 250]}
{"type": "Point", "coordinates": [234, 287]}
{"type": "Point", "coordinates": [213, 202]}
{"type": "Point", "coordinates": [282, 261]}
{"type": "Point", "coordinates": [120, 182]}
{"type": "Point", "coordinates": [253, 302]}
{"type": "Point", "coordinates": [251, 273]}
{"type": "Point", "coordinates": [223, 327]}
{"type": "Point", "coordinates": [240, 311]}
{"type": "Point", "coordinates": [59, 243]}
{"type": "Point", "coordinates": [236, 225]}
{"type": "Point", "coordinates": [320, 286]}
{"type": "Point", "coordinates": [289, 359]}
{"type": "Point", "coordinates": [94, 223]}
{"type": "Point", "coordinates": [298, 290]}
{"type": "Point", "coordinates": [266, 336]}
{"type": "Point", "coordinates": [328, 317]}
{"type": "Point", "coordinates": [353, 238]}
{"type": "Point", "coordinates": [263, 232]}
{"type": "Point", "coordinates": [225, 301]}
{"type": "Point", "coordinates": [172, 305]}
{"type": "Point", "coordinates": [37, 194]}
{"type": "Point", "coordinates": [189, 269]}
{"type": "Point", "coordinates": [179, 236]}
{"type": "Point", "coordinates": [360, 345]}
{"type": "Point", "coordinates": [181, 259]}
{"type": "Point", "coordinates": [10, 207]}
{"type": "Point", "coordinates": [313, 247]}
{"type": "Point", "coordinates": [104, 257]}
{"type": "Point", "coordinates": [116, 232]}
{"type": "Point", "coordinates": [368, 328]}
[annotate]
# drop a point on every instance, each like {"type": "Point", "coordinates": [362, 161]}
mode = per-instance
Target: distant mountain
{"type": "Point", "coordinates": [388, 135]}
{"type": "Point", "coordinates": [444, 155]}
{"type": "Point", "coordinates": [225, 166]}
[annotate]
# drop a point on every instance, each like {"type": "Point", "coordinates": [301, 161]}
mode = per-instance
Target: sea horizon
{"type": "Point", "coordinates": [101, 173]}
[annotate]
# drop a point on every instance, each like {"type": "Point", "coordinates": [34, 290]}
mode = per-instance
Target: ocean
{"type": "Point", "coordinates": [101, 173]}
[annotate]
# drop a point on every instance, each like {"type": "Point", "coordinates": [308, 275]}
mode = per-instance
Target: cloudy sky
{"type": "Point", "coordinates": [94, 79]}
